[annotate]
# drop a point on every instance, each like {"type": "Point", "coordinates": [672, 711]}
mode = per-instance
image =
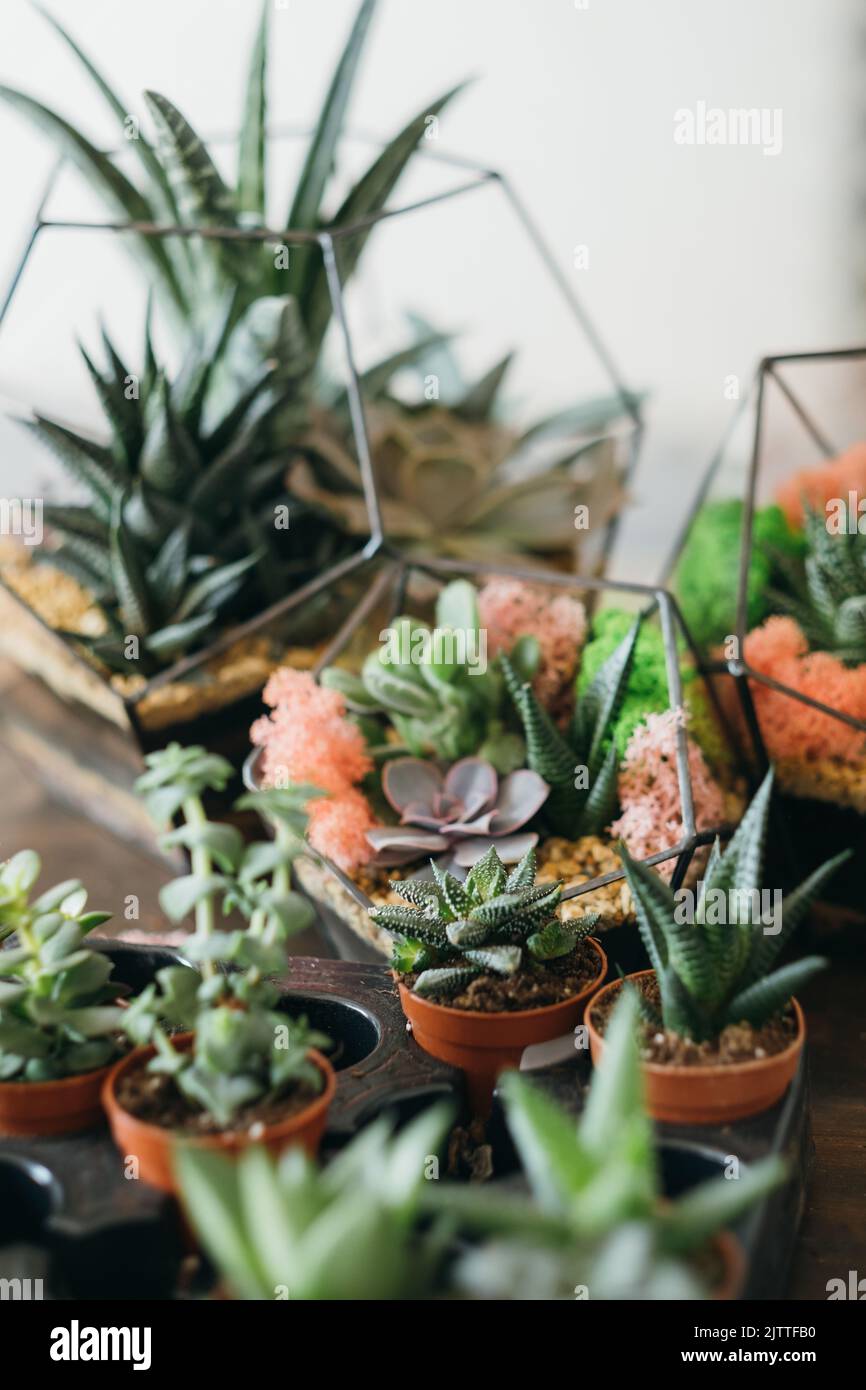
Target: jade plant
{"type": "Point", "coordinates": [596, 1224]}
{"type": "Point", "coordinates": [494, 922]}
{"type": "Point", "coordinates": [579, 765]}
{"type": "Point", "coordinates": [436, 685]}
{"type": "Point", "coordinates": [184, 500]}
{"type": "Point", "coordinates": [58, 1010]}
{"type": "Point", "coordinates": [287, 1229]}
{"type": "Point", "coordinates": [245, 1049]}
{"type": "Point", "coordinates": [717, 969]}
{"type": "Point", "coordinates": [828, 590]}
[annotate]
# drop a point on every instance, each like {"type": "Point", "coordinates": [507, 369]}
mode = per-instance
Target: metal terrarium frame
{"type": "Point", "coordinates": [767, 374]}
{"type": "Point", "coordinates": [327, 241]}
{"type": "Point", "coordinates": [394, 574]}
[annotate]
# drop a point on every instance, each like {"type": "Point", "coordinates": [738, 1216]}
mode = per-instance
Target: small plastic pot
{"type": "Point", "coordinates": [483, 1045]}
{"type": "Point", "coordinates": [153, 1145]}
{"type": "Point", "coordinates": [31, 1109]}
{"type": "Point", "coordinates": [708, 1095]}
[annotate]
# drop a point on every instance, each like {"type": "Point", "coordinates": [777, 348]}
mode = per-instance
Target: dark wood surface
{"type": "Point", "coordinates": [833, 1236]}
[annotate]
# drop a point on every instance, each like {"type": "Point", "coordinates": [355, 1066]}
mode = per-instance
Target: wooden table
{"type": "Point", "coordinates": [833, 1236]}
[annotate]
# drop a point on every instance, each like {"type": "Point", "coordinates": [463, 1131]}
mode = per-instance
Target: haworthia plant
{"type": "Point", "coordinates": [828, 588]}
{"type": "Point", "coordinates": [58, 1011]}
{"type": "Point", "coordinates": [717, 969]}
{"type": "Point", "coordinates": [186, 512]}
{"type": "Point", "coordinates": [494, 922]}
{"type": "Point", "coordinates": [596, 1216]}
{"type": "Point", "coordinates": [286, 1229]}
{"type": "Point", "coordinates": [580, 766]}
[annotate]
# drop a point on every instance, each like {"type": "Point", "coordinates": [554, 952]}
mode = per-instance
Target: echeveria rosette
{"type": "Point", "coordinates": [493, 923]}
{"type": "Point", "coordinates": [460, 812]}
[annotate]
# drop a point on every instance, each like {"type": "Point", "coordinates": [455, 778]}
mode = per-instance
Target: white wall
{"type": "Point", "coordinates": [700, 258]}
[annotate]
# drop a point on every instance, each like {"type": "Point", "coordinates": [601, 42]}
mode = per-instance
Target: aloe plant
{"type": "Point", "coordinates": [178, 182]}
{"type": "Point", "coordinates": [579, 766]}
{"type": "Point", "coordinates": [245, 1048]}
{"type": "Point", "coordinates": [187, 514]}
{"type": "Point", "coordinates": [287, 1229]}
{"type": "Point", "coordinates": [494, 922]}
{"type": "Point", "coordinates": [828, 589]}
{"type": "Point", "coordinates": [436, 686]}
{"type": "Point", "coordinates": [596, 1218]}
{"type": "Point", "coordinates": [717, 970]}
{"type": "Point", "coordinates": [58, 1015]}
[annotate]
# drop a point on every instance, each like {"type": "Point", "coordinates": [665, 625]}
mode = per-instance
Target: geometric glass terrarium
{"type": "Point", "coordinates": [673, 786]}
{"type": "Point", "coordinates": [770, 573]}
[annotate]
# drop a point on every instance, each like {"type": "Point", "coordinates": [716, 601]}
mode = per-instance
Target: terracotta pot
{"type": "Point", "coordinates": [154, 1145]}
{"type": "Point", "coordinates": [483, 1045]}
{"type": "Point", "coordinates": [32, 1108]}
{"type": "Point", "coordinates": [709, 1095]}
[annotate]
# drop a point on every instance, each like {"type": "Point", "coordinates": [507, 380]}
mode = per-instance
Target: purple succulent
{"type": "Point", "coordinates": [462, 812]}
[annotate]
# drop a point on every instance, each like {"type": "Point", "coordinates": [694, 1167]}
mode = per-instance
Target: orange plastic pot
{"type": "Point", "coordinates": [709, 1095]}
{"type": "Point", "coordinates": [483, 1045]}
{"type": "Point", "coordinates": [733, 1258]}
{"type": "Point", "coordinates": [29, 1109]}
{"type": "Point", "coordinates": [153, 1146]}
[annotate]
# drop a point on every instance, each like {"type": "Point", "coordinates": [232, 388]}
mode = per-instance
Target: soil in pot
{"type": "Point", "coordinates": [535, 988]}
{"type": "Point", "coordinates": [742, 1073]}
{"type": "Point", "coordinates": [162, 1118]}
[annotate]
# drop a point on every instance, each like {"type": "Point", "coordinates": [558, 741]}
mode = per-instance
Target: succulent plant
{"type": "Point", "coordinates": [186, 509]}
{"type": "Point", "coordinates": [462, 812]}
{"type": "Point", "coordinates": [436, 687]}
{"type": "Point", "coordinates": [245, 1048]}
{"type": "Point", "coordinates": [828, 597]}
{"type": "Point", "coordinates": [579, 766]}
{"type": "Point", "coordinates": [58, 1015]}
{"type": "Point", "coordinates": [452, 474]}
{"type": "Point", "coordinates": [180, 183]}
{"type": "Point", "coordinates": [286, 1229]}
{"type": "Point", "coordinates": [596, 1218]}
{"type": "Point", "coordinates": [493, 923]}
{"type": "Point", "coordinates": [717, 970]}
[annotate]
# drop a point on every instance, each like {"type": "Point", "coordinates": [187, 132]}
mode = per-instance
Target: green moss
{"type": "Point", "coordinates": [647, 690]}
{"type": "Point", "coordinates": [705, 581]}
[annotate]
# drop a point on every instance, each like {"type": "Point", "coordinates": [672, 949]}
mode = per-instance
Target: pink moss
{"type": "Point", "coordinates": [835, 478]}
{"type": "Point", "coordinates": [792, 730]}
{"type": "Point", "coordinates": [649, 792]}
{"type": "Point", "coordinates": [306, 738]}
{"type": "Point", "coordinates": [511, 608]}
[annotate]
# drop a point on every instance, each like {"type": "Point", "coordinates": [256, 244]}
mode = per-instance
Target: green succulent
{"type": "Point", "coordinates": [436, 687]}
{"type": "Point", "coordinates": [596, 1218]}
{"type": "Point", "coordinates": [828, 590]}
{"type": "Point", "coordinates": [58, 1015]}
{"type": "Point", "coordinates": [706, 579]}
{"type": "Point", "coordinates": [450, 470]}
{"type": "Point", "coordinates": [187, 513]}
{"type": "Point", "coordinates": [581, 765]}
{"type": "Point", "coordinates": [246, 1049]}
{"type": "Point", "coordinates": [287, 1229]}
{"type": "Point", "coordinates": [493, 923]}
{"type": "Point", "coordinates": [717, 970]}
{"type": "Point", "coordinates": [178, 182]}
